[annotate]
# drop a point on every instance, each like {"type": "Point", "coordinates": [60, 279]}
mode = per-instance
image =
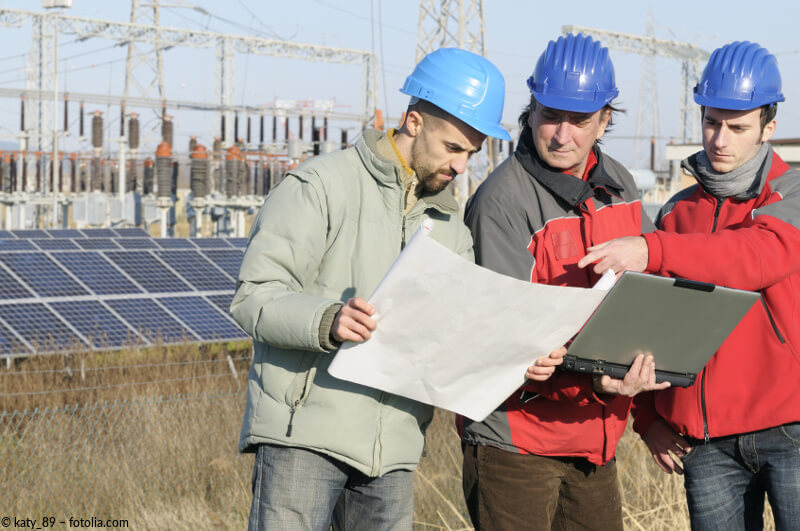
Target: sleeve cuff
{"type": "Point", "coordinates": [325, 324]}
{"type": "Point", "coordinates": [654, 251]}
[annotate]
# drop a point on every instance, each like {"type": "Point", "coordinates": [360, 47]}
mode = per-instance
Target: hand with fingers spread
{"type": "Point", "coordinates": [640, 377]}
{"type": "Point", "coordinates": [354, 322]}
{"type": "Point", "coordinates": [544, 367]}
{"type": "Point", "coordinates": [622, 254]}
{"type": "Point", "coordinates": [663, 442]}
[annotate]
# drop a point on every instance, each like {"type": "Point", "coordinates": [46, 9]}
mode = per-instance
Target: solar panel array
{"type": "Point", "coordinates": [104, 289]}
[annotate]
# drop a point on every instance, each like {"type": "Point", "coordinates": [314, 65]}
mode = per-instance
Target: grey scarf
{"type": "Point", "coordinates": [738, 183]}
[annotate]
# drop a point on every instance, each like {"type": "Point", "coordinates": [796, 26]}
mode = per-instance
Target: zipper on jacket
{"type": "Point", "coordinates": [716, 213]}
{"type": "Point", "coordinates": [291, 417]}
{"type": "Point", "coordinates": [706, 437]}
{"type": "Point", "coordinates": [310, 374]}
{"type": "Point", "coordinates": [403, 235]}
{"type": "Point", "coordinates": [377, 459]}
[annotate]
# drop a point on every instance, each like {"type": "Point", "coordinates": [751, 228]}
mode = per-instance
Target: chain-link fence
{"type": "Point", "coordinates": [169, 462]}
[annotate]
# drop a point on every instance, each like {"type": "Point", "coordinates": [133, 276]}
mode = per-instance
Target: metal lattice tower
{"type": "Point", "coordinates": [647, 110]}
{"type": "Point", "coordinates": [457, 23]}
{"type": "Point", "coordinates": [144, 67]}
{"type": "Point", "coordinates": [224, 87]}
{"type": "Point", "coordinates": [691, 57]}
{"type": "Point", "coordinates": [38, 114]}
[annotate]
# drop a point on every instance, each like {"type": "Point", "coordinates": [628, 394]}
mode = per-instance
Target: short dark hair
{"type": "Point", "coordinates": [523, 117]}
{"type": "Point", "coordinates": [426, 107]}
{"type": "Point", "coordinates": [768, 113]}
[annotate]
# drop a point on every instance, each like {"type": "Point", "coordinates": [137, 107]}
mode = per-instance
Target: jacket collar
{"type": "Point", "coordinates": [571, 189]}
{"type": "Point", "coordinates": [388, 173]}
{"type": "Point", "coordinates": [689, 164]}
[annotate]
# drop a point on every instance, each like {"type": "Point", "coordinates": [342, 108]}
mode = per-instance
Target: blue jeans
{"type": "Point", "coordinates": [727, 478]}
{"type": "Point", "coordinates": [296, 489]}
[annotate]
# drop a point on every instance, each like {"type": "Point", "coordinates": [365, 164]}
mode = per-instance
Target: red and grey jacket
{"type": "Point", "coordinates": [753, 243]}
{"type": "Point", "coordinates": [534, 223]}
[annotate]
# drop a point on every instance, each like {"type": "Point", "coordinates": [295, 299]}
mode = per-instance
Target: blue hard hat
{"type": "Point", "coordinates": [574, 74]}
{"type": "Point", "coordinates": [739, 76]}
{"type": "Point", "coordinates": [464, 85]}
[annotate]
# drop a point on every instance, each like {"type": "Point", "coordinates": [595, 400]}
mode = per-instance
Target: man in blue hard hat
{"type": "Point", "coordinates": [545, 459]}
{"type": "Point", "coordinates": [331, 452]}
{"type": "Point", "coordinates": [737, 429]}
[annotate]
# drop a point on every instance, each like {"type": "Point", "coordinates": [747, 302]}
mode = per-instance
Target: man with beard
{"type": "Point", "coordinates": [545, 458]}
{"type": "Point", "coordinates": [330, 451]}
{"type": "Point", "coordinates": [737, 429]}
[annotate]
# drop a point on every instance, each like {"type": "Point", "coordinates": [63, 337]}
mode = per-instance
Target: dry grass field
{"type": "Point", "coordinates": [150, 436]}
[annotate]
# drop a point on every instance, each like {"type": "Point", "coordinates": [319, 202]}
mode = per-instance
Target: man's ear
{"type": "Point", "coordinates": [605, 117]}
{"type": "Point", "coordinates": [768, 130]}
{"type": "Point", "coordinates": [413, 124]}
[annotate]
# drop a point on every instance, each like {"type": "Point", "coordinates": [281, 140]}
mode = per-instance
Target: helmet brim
{"type": "Point", "coordinates": [562, 103]}
{"type": "Point", "coordinates": [733, 104]}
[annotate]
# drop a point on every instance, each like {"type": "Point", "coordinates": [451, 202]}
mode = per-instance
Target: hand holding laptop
{"type": "Point", "coordinates": [639, 378]}
{"type": "Point", "coordinates": [545, 366]}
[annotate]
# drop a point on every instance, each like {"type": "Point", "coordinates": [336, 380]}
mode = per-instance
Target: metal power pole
{"type": "Point", "coordinates": [144, 67]}
{"type": "Point", "coordinates": [225, 87]}
{"type": "Point", "coordinates": [647, 111]}
{"type": "Point", "coordinates": [41, 65]}
{"type": "Point", "coordinates": [460, 24]}
{"type": "Point", "coordinates": [443, 23]}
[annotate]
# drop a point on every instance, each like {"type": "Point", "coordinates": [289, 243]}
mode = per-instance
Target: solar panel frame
{"type": "Point", "coordinates": [43, 275]}
{"type": "Point", "coordinates": [136, 243]}
{"type": "Point", "coordinates": [229, 260]}
{"type": "Point", "coordinates": [55, 244]}
{"type": "Point", "coordinates": [13, 287]}
{"type": "Point", "coordinates": [99, 233]}
{"type": "Point", "coordinates": [96, 244]}
{"type": "Point", "coordinates": [7, 235]}
{"type": "Point", "coordinates": [175, 243]}
{"type": "Point", "coordinates": [98, 273]}
{"type": "Point", "coordinates": [148, 271]}
{"type": "Point", "coordinates": [151, 320]}
{"type": "Point", "coordinates": [203, 318]}
{"type": "Point", "coordinates": [222, 301]}
{"type": "Point", "coordinates": [211, 243]}
{"type": "Point", "coordinates": [29, 234]}
{"type": "Point", "coordinates": [16, 245]}
{"type": "Point", "coordinates": [10, 344]}
{"type": "Point", "coordinates": [131, 232]}
{"type": "Point", "coordinates": [65, 233]}
{"type": "Point", "coordinates": [196, 270]}
{"type": "Point", "coordinates": [97, 323]}
{"type": "Point", "coordinates": [29, 320]}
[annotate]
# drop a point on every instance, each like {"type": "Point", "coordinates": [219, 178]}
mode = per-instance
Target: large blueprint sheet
{"type": "Point", "coordinates": [456, 335]}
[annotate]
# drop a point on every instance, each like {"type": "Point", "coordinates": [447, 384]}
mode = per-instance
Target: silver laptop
{"type": "Point", "coordinates": [681, 322]}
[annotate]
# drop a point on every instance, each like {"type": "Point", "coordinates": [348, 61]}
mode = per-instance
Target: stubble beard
{"type": "Point", "coordinates": [433, 184]}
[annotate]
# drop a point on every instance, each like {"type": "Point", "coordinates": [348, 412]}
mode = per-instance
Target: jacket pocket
{"type": "Point", "coordinates": [299, 388]}
{"type": "Point", "coordinates": [772, 320]}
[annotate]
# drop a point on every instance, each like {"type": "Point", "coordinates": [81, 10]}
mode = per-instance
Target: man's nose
{"type": "Point", "coordinates": [459, 163]}
{"type": "Point", "coordinates": [563, 133]}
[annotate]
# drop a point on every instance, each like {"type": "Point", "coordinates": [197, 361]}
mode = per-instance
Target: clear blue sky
{"type": "Point", "coordinates": [516, 33]}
